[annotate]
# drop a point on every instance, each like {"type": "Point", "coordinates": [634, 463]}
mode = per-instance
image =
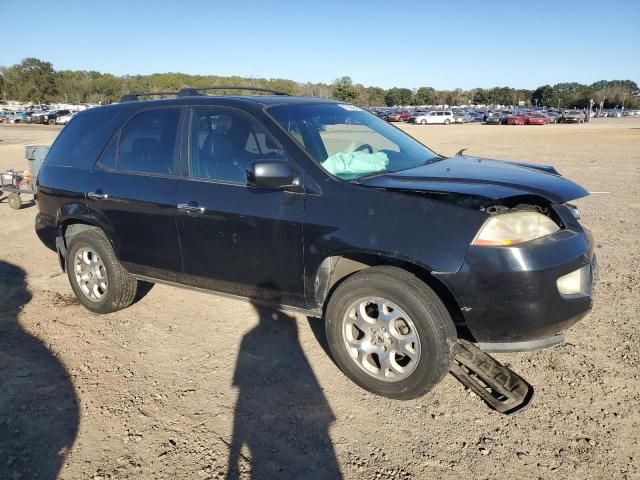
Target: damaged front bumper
{"type": "Point", "coordinates": [510, 297]}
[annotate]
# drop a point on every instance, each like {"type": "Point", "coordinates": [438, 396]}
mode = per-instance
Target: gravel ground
{"type": "Point", "coordinates": [183, 384]}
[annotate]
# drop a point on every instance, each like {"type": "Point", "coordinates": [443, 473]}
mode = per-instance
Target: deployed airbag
{"type": "Point", "coordinates": [348, 165]}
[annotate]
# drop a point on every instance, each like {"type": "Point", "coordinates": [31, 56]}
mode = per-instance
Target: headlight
{"type": "Point", "coordinates": [515, 227]}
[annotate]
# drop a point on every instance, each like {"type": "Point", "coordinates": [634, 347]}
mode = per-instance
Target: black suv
{"type": "Point", "coordinates": [318, 206]}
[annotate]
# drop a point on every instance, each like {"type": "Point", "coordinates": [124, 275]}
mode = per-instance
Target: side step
{"type": "Point", "coordinates": [500, 387]}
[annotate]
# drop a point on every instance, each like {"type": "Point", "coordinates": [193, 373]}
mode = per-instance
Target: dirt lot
{"type": "Point", "coordinates": [183, 384]}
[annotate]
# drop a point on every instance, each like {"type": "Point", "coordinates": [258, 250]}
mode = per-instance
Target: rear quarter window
{"type": "Point", "coordinates": [78, 137]}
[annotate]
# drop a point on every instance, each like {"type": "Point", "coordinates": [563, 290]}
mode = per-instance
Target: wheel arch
{"type": "Point", "coordinates": [334, 270]}
{"type": "Point", "coordinates": [68, 228]}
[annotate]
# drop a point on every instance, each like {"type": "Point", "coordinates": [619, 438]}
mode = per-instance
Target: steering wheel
{"type": "Point", "coordinates": [364, 146]}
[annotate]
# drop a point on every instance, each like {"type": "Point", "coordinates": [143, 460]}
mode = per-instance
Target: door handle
{"type": "Point", "coordinates": [191, 207]}
{"type": "Point", "coordinates": [98, 196]}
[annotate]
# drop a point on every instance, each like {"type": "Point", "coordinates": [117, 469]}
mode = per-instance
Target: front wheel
{"type": "Point", "coordinates": [390, 333]}
{"type": "Point", "coordinates": [447, 122]}
{"type": "Point", "coordinates": [96, 276]}
{"type": "Point", "coordinates": [423, 122]}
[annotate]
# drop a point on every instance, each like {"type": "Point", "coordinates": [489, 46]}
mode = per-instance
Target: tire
{"type": "Point", "coordinates": [52, 121]}
{"type": "Point", "coordinates": [447, 121]}
{"type": "Point", "coordinates": [428, 319]}
{"type": "Point", "coordinates": [14, 201]}
{"type": "Point", "coordinates": [120, 288]}
{"type": "Point", "coordinates": [423, 122]}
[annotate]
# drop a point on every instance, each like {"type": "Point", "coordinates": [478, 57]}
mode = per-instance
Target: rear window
{"type": "Point", "coordinates": [77, 136]}
{"type": "Point", "coordinates": [148, 142]}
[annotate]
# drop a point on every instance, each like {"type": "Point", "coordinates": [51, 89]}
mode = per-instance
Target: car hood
{"type": "Point", "coordinates": [481, 177]}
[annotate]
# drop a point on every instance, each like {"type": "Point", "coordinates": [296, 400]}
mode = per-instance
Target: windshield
{"type": "Point", "coordinates": [348, 142]}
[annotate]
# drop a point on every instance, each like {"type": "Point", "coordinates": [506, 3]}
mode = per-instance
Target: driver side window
{"type": "Point", "coordinates": [223, 143]}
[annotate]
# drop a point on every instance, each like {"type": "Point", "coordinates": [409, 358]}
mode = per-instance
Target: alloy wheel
{"type": "Point", "coordinates": [381, 339]}
{"type": "Point", "coordinates": [91, 274]}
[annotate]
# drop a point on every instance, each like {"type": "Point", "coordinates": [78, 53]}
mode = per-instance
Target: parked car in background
{"type": "Point", "coordinates": [552, 116]}
{"type": "Point", "coordinates": [37, 116]}
{"type": "Point", "coordinates": [476, 116]}
{"type": "Point", "coordinates": [394, 117]}
{"type": "Point", "coordinates": [64, 119]}
{"type": "Point", "coordinates": [504, 116]}
{"type": "Point", "coordinates": [443, 117]}
{"type": "Point", "coordinates": [416, 114]}
{"type": "Point", "coordinates": [51, 116]}
{"type": "Point", "coordinates": [572, 116]}
{"type": "Point", "coordinates": [536, 119]}
{"type": "Point", "coordinates": [494, 118]}
{"type": "Point", "coordinates": [516, 119]}
{"type": "Point", "coordinates": [17, 117]}
{"type": "Point", "coordinates": [461, 117]}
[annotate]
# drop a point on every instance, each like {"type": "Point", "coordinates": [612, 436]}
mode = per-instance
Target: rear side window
{"type": "Point", "coordinates": [77, 137]}
{"type": "Point", "coordinates": [148, 143]}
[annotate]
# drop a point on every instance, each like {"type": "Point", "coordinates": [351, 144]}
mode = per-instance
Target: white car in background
{"type": "Point", "coordinates": [444, 117]}
{"type": "Point", "coordinates": [63, 120]}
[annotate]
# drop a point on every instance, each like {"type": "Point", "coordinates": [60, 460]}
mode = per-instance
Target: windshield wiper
{"type": "Point", "coordinates": [377, 174]}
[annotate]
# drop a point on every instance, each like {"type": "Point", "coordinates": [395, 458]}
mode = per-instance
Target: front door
{"type": "Point", "coordinates": [238, 239]}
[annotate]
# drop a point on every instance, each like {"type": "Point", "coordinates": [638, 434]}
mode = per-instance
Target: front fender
{"type": "Point", "coordinates": [409, 228]}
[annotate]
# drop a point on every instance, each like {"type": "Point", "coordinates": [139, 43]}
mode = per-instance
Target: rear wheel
{"type": "Point", "coordinates": [97, 278]}
{"type": "Point", "coordinates": [390, 333]}
{"type": "Point", "coordinates": [447, 122]}
{"type": "Point", "coordinates": [52, 122]}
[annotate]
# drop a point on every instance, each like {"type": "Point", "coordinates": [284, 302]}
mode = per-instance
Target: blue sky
{"type": "Point", "coordinates": [443, 44]}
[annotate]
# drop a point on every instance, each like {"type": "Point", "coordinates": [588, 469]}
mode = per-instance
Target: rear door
{"type": "Point", "coordinates": [238, 239]}
{"type": "Point", "coordinates": [132, 189]}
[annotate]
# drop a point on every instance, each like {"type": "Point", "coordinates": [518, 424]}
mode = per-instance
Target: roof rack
{"type": "Point", "coordinates": [133, 96]}
{"type": "Point", "coordinates": [191, 91]}
{"type": "Point", "coordinates": [195, 91]}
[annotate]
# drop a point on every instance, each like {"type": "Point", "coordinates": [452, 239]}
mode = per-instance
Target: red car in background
{"type": "Point", "coordinates": [399, 117]}
{"type": "Point", "coordinates": [516, 120]}
{"type": "Point", "coordinates": [536, 120]}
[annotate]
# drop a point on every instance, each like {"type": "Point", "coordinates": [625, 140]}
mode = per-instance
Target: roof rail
{"type": "Point", "coordinates": [192, 91]}
{"type": "Point", "coordinates": [133, 96]}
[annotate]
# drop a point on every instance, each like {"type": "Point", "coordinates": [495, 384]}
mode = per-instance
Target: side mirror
{"type": "Point", "coordinates": [271, 174]}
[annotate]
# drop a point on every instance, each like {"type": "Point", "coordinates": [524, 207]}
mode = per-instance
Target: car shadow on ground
{"type": "Point", "coordinates": [318, 329]}
{"type": "Point", "coordinates": [38, 406]}
{"type": "Point", "coordinates": [282, 418]}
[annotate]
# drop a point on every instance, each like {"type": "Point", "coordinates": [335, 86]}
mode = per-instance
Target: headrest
{"type": "Point", "coordinates": [217, 145]}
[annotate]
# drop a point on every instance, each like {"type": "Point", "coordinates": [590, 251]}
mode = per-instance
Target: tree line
{"type": "Point", "coordinates": [34, 80]}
